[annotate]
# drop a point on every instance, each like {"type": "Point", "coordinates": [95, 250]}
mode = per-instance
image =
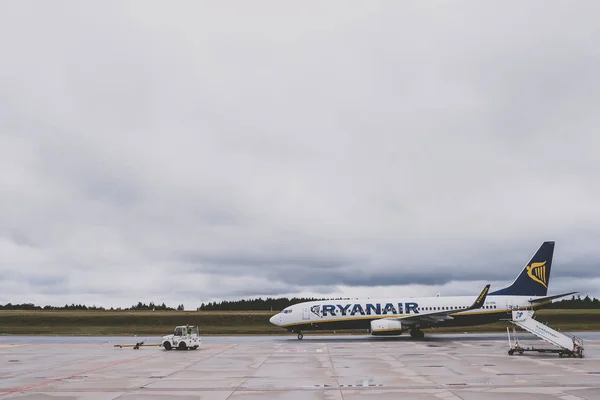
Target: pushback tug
{"type": "Point", "coordinates": [184, 337]}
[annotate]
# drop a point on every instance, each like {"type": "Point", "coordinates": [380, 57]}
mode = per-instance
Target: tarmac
{"type": "Point", "coordinates": [282, 367]}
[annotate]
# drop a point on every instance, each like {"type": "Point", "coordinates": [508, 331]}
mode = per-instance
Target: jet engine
{"type": "Point", "coordinates": [387, 327]}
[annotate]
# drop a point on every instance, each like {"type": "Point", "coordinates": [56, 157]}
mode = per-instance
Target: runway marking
{"type": "Point", "coordinates": [490, 370]}
{"type": "Point", "coordinates": [570, 397]}
{"type": "Point", "coordinates": [450, 356]}
{"type": "Point", "coordinates": [24, 389]}
{"type": "Point", "coordinates": [8, 346]}
{"type": "Point", "coordinates": [465, 344]}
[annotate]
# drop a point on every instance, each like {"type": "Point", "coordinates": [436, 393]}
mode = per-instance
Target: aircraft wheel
{"type": "Point", "coordinates": [300, 336]}
{"type": "Point", "coordinates": [417, 334]}
{"type": "Point", "coordinates": [167, 346]}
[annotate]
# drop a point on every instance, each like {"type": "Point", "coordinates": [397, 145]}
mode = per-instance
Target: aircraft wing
{"type": "Point", "coordinates": [437, 316]}
{"type": "Point", "coordinates": [547, 298]}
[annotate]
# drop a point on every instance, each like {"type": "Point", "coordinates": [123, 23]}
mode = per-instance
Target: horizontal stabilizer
{"type": "Point", "coordinates": [547, 298]}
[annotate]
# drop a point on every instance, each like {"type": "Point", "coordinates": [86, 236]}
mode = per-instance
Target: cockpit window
{"type": "Point", "coordinates": [287, 311]}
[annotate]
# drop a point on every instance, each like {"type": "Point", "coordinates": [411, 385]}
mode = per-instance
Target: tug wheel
{"type": "Point", "coordinates": [167, 345]}
{"type": "Point", "coordinates": [181, 346]}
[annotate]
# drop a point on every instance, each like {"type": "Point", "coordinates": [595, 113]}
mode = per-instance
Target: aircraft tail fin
{"type": "Point", "coordinates": [535, 277]}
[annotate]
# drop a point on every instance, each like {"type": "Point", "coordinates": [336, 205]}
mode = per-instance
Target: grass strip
{"type": "Point", "coordinates": [158, 323]}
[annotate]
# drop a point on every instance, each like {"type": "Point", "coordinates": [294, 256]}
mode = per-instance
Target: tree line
{"type": "Point", "coordinates": [576, 302]}
{"type": "Point", "coordinates": [260, 304]}
{"type": "Point", "coordinates": [136, 307]}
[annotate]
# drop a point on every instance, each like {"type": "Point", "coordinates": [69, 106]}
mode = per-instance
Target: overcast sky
{"type": "Point", "coordinates": [197, 151]}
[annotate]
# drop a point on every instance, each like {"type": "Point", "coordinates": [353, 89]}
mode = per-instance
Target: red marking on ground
{"type": "Point", "coordinates": [23, 389]}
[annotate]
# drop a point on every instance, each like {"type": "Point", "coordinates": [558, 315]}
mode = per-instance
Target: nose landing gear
{"type": "Point", "coordinates": [300, 335]}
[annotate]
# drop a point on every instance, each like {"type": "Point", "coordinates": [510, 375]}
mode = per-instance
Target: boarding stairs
{"type": "Point", "coordinates": [568, 344]}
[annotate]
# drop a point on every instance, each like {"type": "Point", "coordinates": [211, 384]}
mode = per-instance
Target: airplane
{"type": "Point", "coordinates": [393, 316]}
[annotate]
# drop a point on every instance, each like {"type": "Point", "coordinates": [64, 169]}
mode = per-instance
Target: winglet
{"type": "Point", "coordinates": [481, 298]}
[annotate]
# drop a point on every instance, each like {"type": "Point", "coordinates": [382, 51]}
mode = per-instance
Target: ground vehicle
{"type": "Point", "coordinates": [184, 337]}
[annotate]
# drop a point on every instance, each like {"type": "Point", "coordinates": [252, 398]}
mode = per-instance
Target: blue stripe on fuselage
{"type": "Point", "coordinates": [350, 309]}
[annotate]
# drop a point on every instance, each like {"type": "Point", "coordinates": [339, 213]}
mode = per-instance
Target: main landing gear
{"type": "Point", "coordinates": [417, 333]}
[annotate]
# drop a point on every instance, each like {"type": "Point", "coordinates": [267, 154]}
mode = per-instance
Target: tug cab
{"type": "Point", "coordinates": [184, 337]}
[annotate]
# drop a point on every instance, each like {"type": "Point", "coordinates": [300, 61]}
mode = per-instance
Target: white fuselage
{"type": "Point", "coordinates": [352, 312]}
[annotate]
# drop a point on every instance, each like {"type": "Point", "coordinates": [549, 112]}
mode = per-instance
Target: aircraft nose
{"type": "Point", "coordinates": [274, 319]}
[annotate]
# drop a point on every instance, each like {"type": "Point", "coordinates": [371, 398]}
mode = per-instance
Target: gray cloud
{"type": "Point", "coordinates": [198, 153]}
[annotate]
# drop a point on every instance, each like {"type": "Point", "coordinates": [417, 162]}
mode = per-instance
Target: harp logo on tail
{"type": "Point", "coordinates": [537, 272]}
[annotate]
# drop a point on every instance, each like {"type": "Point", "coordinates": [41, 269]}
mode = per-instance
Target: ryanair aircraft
{"type": "Point", "coordinates": [396, 315]}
